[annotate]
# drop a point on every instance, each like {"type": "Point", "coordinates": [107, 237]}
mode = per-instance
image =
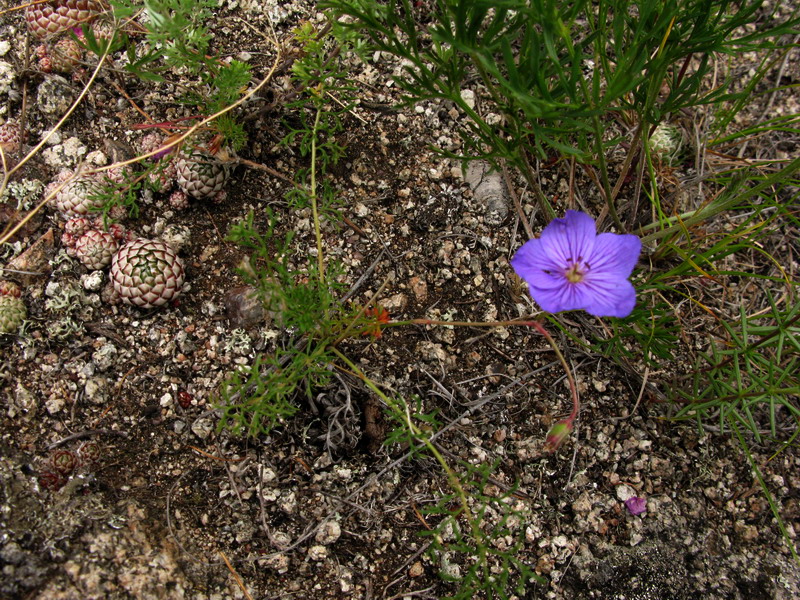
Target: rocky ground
{"type": "Point", "coordinates": [164, 505]}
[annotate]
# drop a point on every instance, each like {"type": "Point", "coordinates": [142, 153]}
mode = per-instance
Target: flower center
{"type": "Point", "coordinates": [575, 273]}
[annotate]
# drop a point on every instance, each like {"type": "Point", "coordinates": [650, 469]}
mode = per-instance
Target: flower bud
{"type": "Point", "coordinates": [557, 434]}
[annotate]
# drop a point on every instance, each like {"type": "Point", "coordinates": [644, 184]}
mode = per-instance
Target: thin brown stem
{"type": "Point", "coordinates": [517, 205]}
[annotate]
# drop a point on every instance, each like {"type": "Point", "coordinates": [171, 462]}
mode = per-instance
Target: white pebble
{"type": "Point", "coordinates": [468, 96]}
{"type": "Point", "coordinates": [329, 532]}
{"type": "Point", "coordinates": [317, 553]}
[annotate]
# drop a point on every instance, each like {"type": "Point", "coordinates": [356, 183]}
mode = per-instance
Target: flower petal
{"type": "Point", "coordinates": [636, 505]}
{"type": "Point", "coordinates": [608, 296]}
{"type": "Point", "coordinates": [545, 277]}
{"type": "Point", "coordinates": [536, 266]}
{"type": "Point", "coordinates": [570, 239]}
{"type": "Point", "coordinates": [614, 254]}
{"type": "Point", "coordinates": [561, 296]}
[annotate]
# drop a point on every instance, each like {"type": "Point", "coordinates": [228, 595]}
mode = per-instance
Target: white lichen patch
{"type": "Point", "coordinates": [23, 192]}
{"type": "Point", "coordinates": [7, 76]}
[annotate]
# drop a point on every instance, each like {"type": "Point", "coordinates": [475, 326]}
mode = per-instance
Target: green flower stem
{"type": "Point", "coordinates": [601, 161]}
{"type": "Point", "coordinates": [626, 166]}
{"type": "Point", "coordinates": [572, 387]}
{"type": "Point", "coordinates": [530, 178]}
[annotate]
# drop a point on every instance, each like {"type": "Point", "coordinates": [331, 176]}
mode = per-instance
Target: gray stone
{"type": "Point", "coordinates": [243, 308]}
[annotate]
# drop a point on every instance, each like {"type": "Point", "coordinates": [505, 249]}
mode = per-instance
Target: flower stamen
{"type": "Point", "coordinates": [574, 274]}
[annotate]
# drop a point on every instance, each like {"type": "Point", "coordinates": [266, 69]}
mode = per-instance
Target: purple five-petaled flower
{"type": "Point", "coordinates": [571, 267]}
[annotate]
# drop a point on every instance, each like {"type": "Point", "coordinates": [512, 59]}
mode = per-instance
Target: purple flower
{"type": "Point", "coordinates": [571, 267]}
{"type": "Point", "coordinates": [636, 505]}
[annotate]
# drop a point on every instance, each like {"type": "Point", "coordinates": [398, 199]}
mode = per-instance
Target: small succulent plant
{"type": "Point", "coordinates": [10, 136]}
{"type": "Point", "coordinates": [63, 462]}
{"type": "Point", "coordinates": [179, 200]}
{"type": "Point", "coordinates": [79, 196]}
{"type": "Point", "coordinates": [93, 243]}
{"type": "Point", "coordinates": [667, 143]}
{"type": "Point", "coordinates": [184, 399]}
{"type": "Point", "coordinates": [62, 57]}
{"type": "Point", "coordinates": [89, 452]}
{"type": "Point", "coordinates": [120, 233]}
{"type": "Point", "coordinates": [151, 142]}
{"type": "Point", "coordinates": [201, 175]}
{"type": "Point", "coordinates": [9, 288]}
{"type": "Point", "coordinates": [77, 226]}
{"type": "Point", "coordinates": [49, 480]}
{"type": "Point", "coordinates": [12, 313]}
{"type": "Point", "coordinates": [147, 273]}
{"type": "Point", "coordinates": [95, 248]}
{"type": "Point", "coordinates": [54, 16]}
{"type": "Point", "coordinates": [118, 174]}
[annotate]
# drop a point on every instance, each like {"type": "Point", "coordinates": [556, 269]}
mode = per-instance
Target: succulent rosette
{"type": "Point", "coordinates": [10, 137]}
{"type": "Point", "coordinates": [12, 313]}
{"type": "Point", "coordinates": [9, 288]}
{"type": "Point", "coordinates": [151, 142]}
{"type": "Point", "coordinates": [179, 200]}
{"type": "Point", "coordinates": [63, 57]}
{"type": "Point", "coordinates": [95, 248]}
{"type": "Point", "coordinates": [147, 273]}
{"type": "Point", "coordinates": [48, 18]}
{"type": "Point", "coordinates": [79, 196]}
{"type": "Point", "coordinates": [200, 174]}
{"type": "Point", "coordinates": [666, 143]}
{"type": "Point", "coordinates": [77, 226]}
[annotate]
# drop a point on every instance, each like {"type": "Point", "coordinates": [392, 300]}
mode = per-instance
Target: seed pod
{"type": "Point", "coordinates": [95, 249]}
{"type": "Point", "coordinates": [147, 273]}
{"type": "Point", "coordinates": [201, 175]}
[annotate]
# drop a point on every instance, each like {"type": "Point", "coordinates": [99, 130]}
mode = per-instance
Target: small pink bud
{"type": "Point", "coordinates": [557, 434]}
